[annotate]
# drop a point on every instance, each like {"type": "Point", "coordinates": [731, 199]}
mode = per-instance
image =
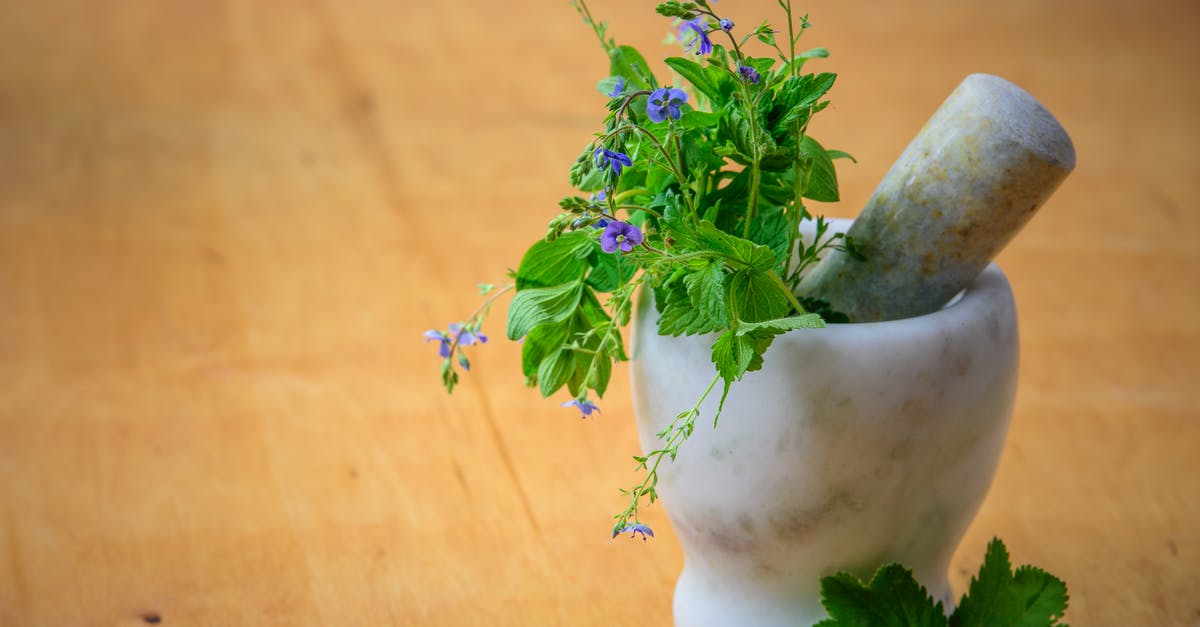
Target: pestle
{"type": "Point", "coordinates": [975, 174]}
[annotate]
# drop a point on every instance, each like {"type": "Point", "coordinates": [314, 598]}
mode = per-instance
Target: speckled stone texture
{"type": "Point", "coordinates": [983, 164]}
{"type": "Point", "coordinates": [856, 445]}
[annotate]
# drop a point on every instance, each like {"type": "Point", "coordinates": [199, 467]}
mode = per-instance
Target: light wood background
{"type": "Point", "coordinates": [224, 226]}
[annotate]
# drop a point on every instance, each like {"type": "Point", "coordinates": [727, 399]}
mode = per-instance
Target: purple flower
{"type": "Point", "coordinates": [664, 103]}
{"type": "Point", "coordinates": [456, 334]}
{"type": "Point", "coordinates": [726, 24]}
{"type": "Point", "coordinates": [634, 529]}
{"type": "Point", "coordinates": [749, 74]}
{"type": "Point", "coordinates": [618, 88]}
{"type": "Point", "coordinates": [444, 347]}
{"type": "Point", "coordinates": [699, 27]}
{"type": "Point", "coordinates": [620, 235]}
{"type": "Point", "coordinates": [585, 407]}
{"type": "Point", "coordinates": [467, 338]}
{"type": "Point", "coordinates": [599, 196]}
{"type": "Point", "coordinates": [614, 160]}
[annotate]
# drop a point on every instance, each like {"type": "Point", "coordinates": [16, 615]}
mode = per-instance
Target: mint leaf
{"type": "Point", "coordinates": [782, 325]}
{"type": "Point", "coordinates": [695, 303]}
{"type": "Point", "coordinates": [892, 599]}
{"type": "Point", "coordinates": [554, 262]}
{"type": "Point", "coordinates": [1031, 598]}
{"type": "Point", "coordinates": [740, 251]}
{"type": "Point", "coordinates": [756, 296]}
{"type": "Point", "coordinates": [732, 355]}
{"type": "Point", "coordinates": [537, 306]}
{"type": "Point", "coordinates": [706, 291]}
{"type": "Point", "coordinates": [770, 228]}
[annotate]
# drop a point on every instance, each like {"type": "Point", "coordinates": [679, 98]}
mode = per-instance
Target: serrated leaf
{"type": "Point", "coordinates": [685, 314]}
{"type": "Point", "coordinates": [536, 306]}
{"type": "Point", "coordinates": [732, 354]}
{"type": "Point", "coordinates": [706, 289]}
{"type": "Point", "coordinates": [770, 228]}
{"type": "Point", "coordinates": [756, 296]}
{"type": "Point", "coordinates": [893, 599]}
{"type": "Point", "coordinates": [782, 325]}
{"type": "Point", "coordinates": [997, 597]}
{"type": "Point", "coordinates": [740, 251]}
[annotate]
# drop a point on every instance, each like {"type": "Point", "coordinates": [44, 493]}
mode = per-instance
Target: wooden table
{"type": "Point", "coordinates": [224, 226]}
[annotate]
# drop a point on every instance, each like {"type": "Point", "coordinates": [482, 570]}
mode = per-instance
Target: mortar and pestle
{"type": "Point", "coordinates": [874, 442]}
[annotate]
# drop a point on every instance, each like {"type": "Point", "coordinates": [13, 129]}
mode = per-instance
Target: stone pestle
{"type": "Point", "coordinates": [974, 175]}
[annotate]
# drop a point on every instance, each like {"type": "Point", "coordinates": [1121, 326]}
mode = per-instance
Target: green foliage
{"type": "Point", "coordinates": [1031, 597]}
{"type": "Point", "coordinates": [707, 203]}
{"type": "Point", "coordinates": [997, 598]}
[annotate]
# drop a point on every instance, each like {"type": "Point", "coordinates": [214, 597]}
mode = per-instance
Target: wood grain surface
{"type": "Point", "coordinates": [224, 226]}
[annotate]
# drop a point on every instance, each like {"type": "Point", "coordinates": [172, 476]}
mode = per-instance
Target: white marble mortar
{"type": "Point", "coordinates": [856, 445]}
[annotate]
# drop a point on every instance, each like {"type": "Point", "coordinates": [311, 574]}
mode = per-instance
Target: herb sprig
{"type": "Point", "coordinates": [1030, 597]}
{"type": "Point", "coordinates": [694, 192]}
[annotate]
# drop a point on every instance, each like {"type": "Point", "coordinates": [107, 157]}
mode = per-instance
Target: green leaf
{"type": "Point", "coordinates": [756, 296]}
{"type": "Point", "coordinates": [737, 250]}
{"type": "Point", "coordinates": [539, 342]}
{"type": "Point", "coordinates": [822, 181]}
{"type": "Point", "coordinates": [554, 370]}
{"type": "Point", "coordinates": [693, 304]}
{"type": "Point", "coordinates": [698, 119]}
{"type": "Point", "coordinates": [609, 271]}
{"type": "Point", "coordinates": [628, 62]}
{"type": "Point", "coordinates": [533, 307]}
{"type": "Point", "coordinates": [892, 599]}
{"type": "Point", "coordinates": [770, 228]}
{"type": "Point", "coordinates": [606, 85]}
{"type": "Point", "coordinates": [732, 354]}
{"type": "Point", "coordinates": [1031, 598]}
{"type": "Point", "coordinates": [602, 374]}
{"type": "Point", "coordinates": [693, 73]}
{"type": "Point", "coordinates": [841, 154]}
{"type": "Point", "coordinates": [550, 263]}
{"type": "Point", "coordinates": [782, 325]}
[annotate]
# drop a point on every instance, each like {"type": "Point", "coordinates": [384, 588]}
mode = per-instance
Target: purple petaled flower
{"type": "Point", "coordinates": [726, 24]}
{"type": "Point", "coordinates": [444, 347]}
{"type": "Point", "coordinates": [664, 103]}
{"type": "Point", "coordinates": [614, 160]}
{"type": "Point", "coordinates": [618, 88]}
{"type": "Point", "coordinates": [584, 406]}
{"type": "Point", "coordinates": [634, 529]}
{"type": "Point", "coordinates": [467, 338]}
{"type": "Point", "coordinates": [749, 74]}
{"type": "Point", "coordinates": [700, 28]}
{"type": "Point", "coordinates": [599, 196]}
{"type": "Point", "coordinates": [622, 235]}
{"type": "Point", "coordinates": [456, 334]}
